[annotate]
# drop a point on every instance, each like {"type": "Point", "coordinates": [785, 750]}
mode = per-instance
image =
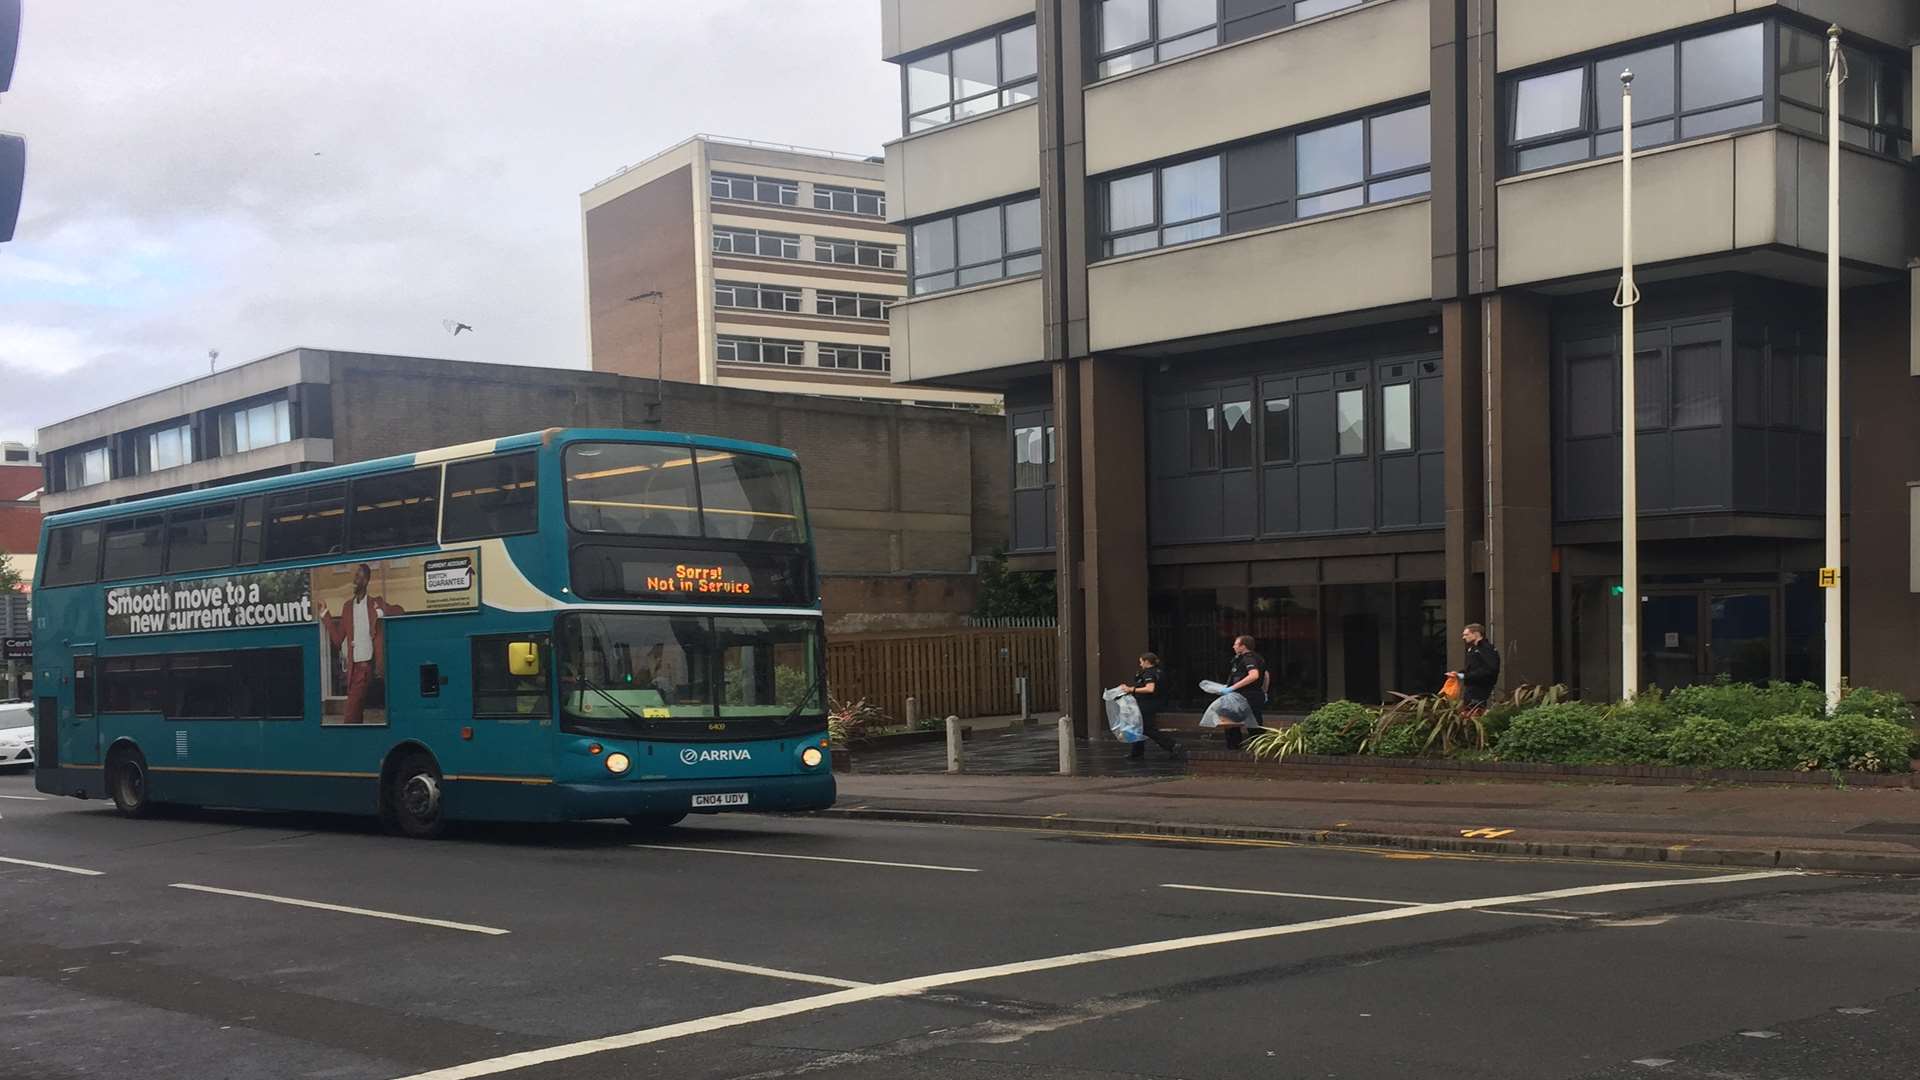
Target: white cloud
{"type": "Point", "coordinates": [253, 175]}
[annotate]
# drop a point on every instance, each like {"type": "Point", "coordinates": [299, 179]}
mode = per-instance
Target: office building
{"type": "Point", "coordinates": [733, 263]}
{"type": "Point", "coordinates": [903, 502]}
{"type": "Point", "coordinates": [1304, 315]}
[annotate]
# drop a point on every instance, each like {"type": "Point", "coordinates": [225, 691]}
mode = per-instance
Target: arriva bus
{"type": "Point", "coordinates": [562, 625]}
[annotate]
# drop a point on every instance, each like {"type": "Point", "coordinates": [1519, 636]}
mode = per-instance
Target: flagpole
{"type": "Point", "coordinates": [1831, 582]}
{"type": "Point", "coordinates": [1625, 299]}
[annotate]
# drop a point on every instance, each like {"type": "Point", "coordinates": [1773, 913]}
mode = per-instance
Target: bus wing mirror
{"type": "Point", "coordinates": [523, 658]}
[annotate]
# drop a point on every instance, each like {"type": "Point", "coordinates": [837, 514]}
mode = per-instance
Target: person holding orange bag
{"type": "Point", "coordinates": [1476, 683]}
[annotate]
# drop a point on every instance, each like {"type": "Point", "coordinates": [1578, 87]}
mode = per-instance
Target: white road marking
{"type": "Point", "coordinates": [806, 858]}
{"type": "Point", "coordinates": [26, 798]}
{"type": "Point", "coordinates": [317, 905]}
{"type": "Point", "coordinates": [771, 973]}
{"type": "Point", "coordinates": [53, 866]}
{"type": "Point", "coordinates": [910, 987]}
{"type": "Point", "coordinates": [1356, 900]}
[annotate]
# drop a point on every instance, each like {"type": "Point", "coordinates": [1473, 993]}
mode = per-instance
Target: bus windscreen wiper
{"type": "Point", "coordinates": [617, 703]}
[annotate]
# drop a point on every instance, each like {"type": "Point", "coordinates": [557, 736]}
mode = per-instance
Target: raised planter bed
{"type": "Point", "coordinates": [1441, 770]}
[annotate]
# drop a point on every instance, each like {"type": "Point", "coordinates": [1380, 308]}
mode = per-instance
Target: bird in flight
{"type": "Point", "coordinates": [454, 328]}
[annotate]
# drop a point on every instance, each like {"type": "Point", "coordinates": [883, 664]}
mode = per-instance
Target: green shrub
{"type": "Point", "coordinates": [1877, 705]}
{"type": "Point", "coordinates": [1338, 727]}
{"type": "Point", "coordinates": [1398, 740]}
{"type": "Point", "coordinates": [1738, 704]}
{"type": "Point", "coordinates": [1556, 733]}
{"type": "Point", "coordinates": [1783, 742]}
{"type": "Point", "coordinates": [1866, 744]}
{"type": "Point", "coordinates": [1651, 710]}
{"type": "Point", "coordinates": [1622, 737]}
{"type": "Point", "coordinates": [1703, 742]}
{"type": "Point", "coordinates": [1795, 699]}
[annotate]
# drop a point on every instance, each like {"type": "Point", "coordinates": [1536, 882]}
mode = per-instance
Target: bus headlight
{"type": "Point", "coordinates": [810, 757]}
{"type": "Point", "coordinates": [618, 763]}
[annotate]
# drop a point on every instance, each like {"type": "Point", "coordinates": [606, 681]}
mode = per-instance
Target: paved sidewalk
{"type": "Point", "coordinates": [1875, 830]}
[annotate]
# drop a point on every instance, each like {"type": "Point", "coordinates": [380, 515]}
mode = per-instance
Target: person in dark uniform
{"type": "Point", "coordinates": [1145, 688]}
{"type": "Point", "coordinates": [1248, 679]}
{"type": "Point", "coordinates": [1483, 668]}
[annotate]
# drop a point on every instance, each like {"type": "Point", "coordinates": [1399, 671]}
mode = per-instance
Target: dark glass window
{"type": "Point", "coordinates": [500, 694]}
{"type": "Point", "coordinates": [843, 200]}
{"type": "Point", "coordinates": [1278, 435]}
{"type": "Point", "coordinates": [134, 547]}
{"type": "Point", "coordinates": [759, 189]}
{"type": "Point", "coordinates": [253, 512]}
{"type": "Point", "coordinates": [1590, 396]}
{"type": "Point", "coordinates": [855, 253]}
{"type": "Point", "coordinates": [1203, 439]}
{"type": "Point", "coordinates": [308, 522]}
{"type": "Point", "coordinates": [971, 78]}
{"type": "Point", "coordinates": [847, 305]}
{"type": "Point", "coordinates": [633, 489]}
{"type": "Point", "coordinates": [732, 294]}
{"type": "Point", "coordinates": [133, 684]}
{"type": "Point", "coordinates": [1696, 385]}
{"type": "Point", "coordinates": [494, 496]}
{"type": "Point", "coordinates": [396, 509]}
{"type": "Point", "coordinates": [1236, 435]}
{"type": "Point", "coordinates": [82, 684]}
{"type": "Point", "coordinates": [727, 241]}
{"type": "Point", "coordinates": [200, 538]}
{"type": "Point", "coordinates": [1032, 456]}
{"type": "Point", "coordinates": [73, 556]}
{"type": "Point", "coordinates": [200, 686]}
{"type": "Point", "coordinates": [868, 358]}
{"type": "Point", "coordinates": [750, 497]}
{"type": "Point", "coordinates": [751, 350]}
{"type": "Point", "coordinates": [981, 245]}
{"type": "Point", "coordinates": [245, 684]}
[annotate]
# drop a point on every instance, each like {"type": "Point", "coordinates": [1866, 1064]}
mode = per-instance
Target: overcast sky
{"type": "Point", "coordinates": [252, 175]}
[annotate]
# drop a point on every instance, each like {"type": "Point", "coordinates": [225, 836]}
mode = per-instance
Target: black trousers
{"type": "Point", "coordinates": [1151, 729]}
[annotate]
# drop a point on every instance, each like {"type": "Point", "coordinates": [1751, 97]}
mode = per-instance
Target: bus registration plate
{"type": "Point", "coordinates": [738, 798]}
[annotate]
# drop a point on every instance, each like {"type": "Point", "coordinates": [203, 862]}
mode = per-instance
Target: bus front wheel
{"type": "Point", "coordinates": [127, 783]}
{"type": "Point", "coordinates": [650, 822]}
{"type": "Point", "coordinates": [414, 798]}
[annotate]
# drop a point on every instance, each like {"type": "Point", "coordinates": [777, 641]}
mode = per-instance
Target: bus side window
{"type": "Point", "coordinates": [83, 685]}
{"type": "Point", "coordinates": [498, 692]}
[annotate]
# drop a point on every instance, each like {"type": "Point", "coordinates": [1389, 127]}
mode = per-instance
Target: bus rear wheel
{"type": "Point", "coordinates": [414, 803]}
{"type": "Point", "coordinates": [650, 822]}
{"type": "Point", "coordinates": [127, 783]}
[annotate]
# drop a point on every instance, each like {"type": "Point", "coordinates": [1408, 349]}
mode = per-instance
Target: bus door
{"type": "Point", "coordinates": [79, 726]}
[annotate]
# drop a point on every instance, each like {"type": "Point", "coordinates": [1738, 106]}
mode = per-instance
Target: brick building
{"type": "Point", "coordinates": [903, 499]}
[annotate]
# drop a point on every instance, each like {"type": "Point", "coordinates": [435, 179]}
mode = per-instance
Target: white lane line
{"type": "Point", "coordinates": [806, 858]}
{"type": "Point", "coordinates": [315, 904]}
{"type": "Point", "coordinates": [909, 987]}
{"type": "Point", "coordinates": [771, 973]}
{"type": "Point", "coordinates": [53, 866]}
{"type": "Point", "coordinates": [1295, 895]}
{"type": "Point", "coordinates": [1359, 900]}
{"type": "Point", "coordinates": [26, 798]}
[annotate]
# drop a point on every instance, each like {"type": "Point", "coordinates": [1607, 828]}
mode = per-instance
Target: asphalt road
{"type": "Point", "coordinates": [569, 952]}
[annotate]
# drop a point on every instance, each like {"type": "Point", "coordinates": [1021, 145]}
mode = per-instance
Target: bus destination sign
{"type": "Point", "coordinates": [700, 581]}
{"type": "Point", "coordinates": [610, 572]}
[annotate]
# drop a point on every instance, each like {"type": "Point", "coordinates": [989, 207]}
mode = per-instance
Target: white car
{"type": "Point", "coordinates": [16, 736]}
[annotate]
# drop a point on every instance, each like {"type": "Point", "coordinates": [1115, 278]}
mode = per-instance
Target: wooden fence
{"type": "Point", "coordinates": [962, 672]}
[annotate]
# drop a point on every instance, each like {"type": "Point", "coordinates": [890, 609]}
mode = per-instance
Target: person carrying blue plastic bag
{"type": "Point", "coordinates": [1145, 692]}
{"type": "Point", "coordinates": [1241, 699]}
{"type": "Point", "coordinates": [1123, 715]}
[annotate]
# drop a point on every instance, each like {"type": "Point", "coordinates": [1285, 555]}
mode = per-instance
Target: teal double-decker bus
{"type": "Point", "coordinates": [562, 625]}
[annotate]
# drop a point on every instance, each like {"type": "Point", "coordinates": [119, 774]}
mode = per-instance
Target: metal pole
{"type": "Point", "coordinates": [1834, 635]}
{"type": "Point", "coordinates": [1627, 296]}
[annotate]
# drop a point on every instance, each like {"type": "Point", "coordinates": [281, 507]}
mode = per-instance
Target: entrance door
{"type": "Point", "coordinates": [1670, 640]}
{"type": "Point", "coordinates": [1740, 642]}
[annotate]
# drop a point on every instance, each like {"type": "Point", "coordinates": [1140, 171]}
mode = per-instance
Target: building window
{"type": "Point", "coordinates": [733, 294]}
{"type": "Point", "coordinates": [760, 189]}
{"type": "Point", "coordinates": [1140, 33]}
{"type": "Point", "coordinates": [1350, 422]}
{"type": "Point", "coordinates": [754, 242]}
{"type": "Point", "coordinates": [255, 427]}
{"type": "Point", "coordinates": [85, 468]}
{"type": "Point", "coordinates": [987, 244]}
{"type": "Point", "coordinates": [856, 253]}
{"type": "Point", "coordinates": [873, 358]}
{"type": "Point", "coordinates": [1277, 441]}
{"type": "Point", "coordinates": [848, 305]}
{"type": "Point", "coordinates": [1033, 456]}
{"type": "Point", "coordinates": [1873, 99]}
{"type": "Point", "coordinates": [1272, 180]}
{"type": "Point", "coordinates": [750, 350]}
{"type": "Point", "coordinates": [843, 200]}
{"type": "Point", "coordinates": [971, 78]}
{"type": "Point", "coordinates": [1700, 85]}
{"type": "Point", "coordinates": [167, 448]}
{"type": "Point", "coordinates": [1396, 418]}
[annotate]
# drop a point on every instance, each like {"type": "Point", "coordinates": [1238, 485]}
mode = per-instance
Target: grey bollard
{"type": "Point", "coordinates": [1067, 747]}
{"type": "Point", "coordinates": [953, 744]}
{"type": "Point", "coordinates": [913, 714]}
{"type": "Point", "coordinates": [1026, 702]}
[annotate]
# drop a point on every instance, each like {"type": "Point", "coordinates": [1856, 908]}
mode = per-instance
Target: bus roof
{"type": "Point", "coordinates": [481, 448]}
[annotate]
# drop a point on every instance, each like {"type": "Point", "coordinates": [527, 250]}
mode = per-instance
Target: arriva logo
{"type": "Point", "coordinates": [695, 757]}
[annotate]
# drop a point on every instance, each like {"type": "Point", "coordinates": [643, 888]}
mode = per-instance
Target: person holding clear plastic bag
{"type": "Point", "coordinates": [1248, 678]}
{"type": "Point", "coordinates": [1144, 687]}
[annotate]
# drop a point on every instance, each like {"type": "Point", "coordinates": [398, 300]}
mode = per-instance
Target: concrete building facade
{"type": "Point", "coordinates": [725, 262]}
{"type": "Point", "coordinates": [903, 501]}
{"type": "Point", "coordinates": [1318, 340]}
